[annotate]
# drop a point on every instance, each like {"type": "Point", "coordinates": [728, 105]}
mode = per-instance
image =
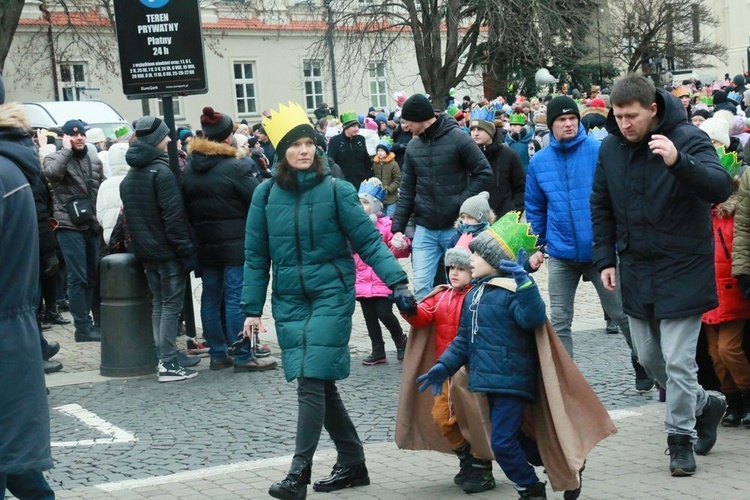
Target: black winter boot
{"type": "Point", "coordinates": [537, 491]}
{"type": "Point", "coordinates": [480, 479]}
{"type": "Point", "coordinates": [680, 451]}
{"type": "Point", "coordinates": [735, 410]}
{"type": "Point", "coordinates": [294, 485]}
{"type": "Point", "coordinates": [401, 348]}
{"type": "Point", "coordinates": [464, 458]}
{"type": "Point", "coordinates": [708, 422]}
{"type": "Point", "coordinates": [746, 409]}
{"type": "Point", "coordinates": [643, 383]}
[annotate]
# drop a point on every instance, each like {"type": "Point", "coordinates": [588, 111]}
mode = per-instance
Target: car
{"type": "Point", "coordinates": [53, 114]}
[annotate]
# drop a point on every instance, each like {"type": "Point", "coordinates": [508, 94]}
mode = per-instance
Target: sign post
{"type": "Point", "coordinates": [161, 55]}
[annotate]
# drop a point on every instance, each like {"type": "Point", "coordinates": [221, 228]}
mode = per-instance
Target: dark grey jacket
{"type": "Point", "coordinates": [68, 174]}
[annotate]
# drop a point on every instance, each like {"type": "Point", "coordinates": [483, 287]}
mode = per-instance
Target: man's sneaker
{"type": "Point", "coordinates": [88, 334]}
{"type": "Point", "coordinates": [51, 350]}
{"type": "Point", "coordinates": [536, 491]}
{"type": "Point", "coordinates": [374, 359]}
{"type": "Point", "coordinates": [480, 478]}
{"type": "Point", "coordinates": [612, 327]}
{"type": "Point", "coordinates": [220, 364]}
{"type": "Point", "coordinates": [186, 361]}
{"type": "Point", "coordinates": [52, 366]}
{"type": "Point", "coordinates": [401, 349]}
{"type": "Point", "coordinates": [54, 318]}
{"type": "Point", "coordinates": [708, 421]}
{"type": "Point", "coordinates": [173, 372]}
{"type": "Point", "coordinates": [261, 350]}
{"type": "Point", "coordinates": [680, 451]}
{"type": "Point", "coordinates": [195, 347]}
{"type": "Point", "coordinates": [643, 383]}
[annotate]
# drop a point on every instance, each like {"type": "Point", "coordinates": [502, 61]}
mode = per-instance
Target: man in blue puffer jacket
{"type": "Point", "coordinates": [558, 188]}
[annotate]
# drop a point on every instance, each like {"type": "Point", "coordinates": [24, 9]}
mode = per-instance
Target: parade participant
{"type": "Point", "coordinates": [304, 226]}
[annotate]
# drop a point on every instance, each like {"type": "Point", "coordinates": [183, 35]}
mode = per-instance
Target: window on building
{"type": "Point", "coordinates": [313, 84]}
{"type": "Point", "coordinates": [176, 104]}
{"type": "Point", "coordinates": [378, 88]}
{"type": "Point", "coordinates": [72, 80]}
{"type": "Point", "coordinates": [244, 88]}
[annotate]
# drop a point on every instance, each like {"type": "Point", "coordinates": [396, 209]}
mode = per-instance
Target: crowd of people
{"type": "Point", "coordinates": [640, 190]}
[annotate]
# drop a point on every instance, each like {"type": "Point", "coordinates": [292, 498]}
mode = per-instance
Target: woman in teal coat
{"type": "Point", "coordinates": [303, 226]}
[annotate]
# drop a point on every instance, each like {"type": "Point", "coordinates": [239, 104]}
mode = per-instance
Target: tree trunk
{"type": "Point", "coordinates": [10, 13]}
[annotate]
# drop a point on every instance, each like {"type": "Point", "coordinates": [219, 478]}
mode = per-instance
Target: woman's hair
{"type": "Point", "coordinates": [285, 177]}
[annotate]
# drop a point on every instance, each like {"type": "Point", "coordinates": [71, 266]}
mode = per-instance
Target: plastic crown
{"type": "Point", "coordinates": [483, 113]}
{"type": "Point", "coordinates": [517, 119]}
{"type": "Point", "coordinates": [452, 110]}
{"type": "Point", "coordinates": [122, 132]}
{"type": "Point", "coordinates": [386, 140]}
{"type": "Point", "coordinates": [373, 187]}
{"type": "Point", "coordinates": [598, 133]}
{"type": "Point", "coordinates": [734, 97]}
{"type": "Point", "coordinates": [349, 116]}
{"type": "Point", "coordinates": [281, 122]}
{"type": "Point", "coordinates": [513, 235]}
{"type": "Point", "coordinates": [707, 100]}
{"type": "Point", "coordinates": [729, 161]}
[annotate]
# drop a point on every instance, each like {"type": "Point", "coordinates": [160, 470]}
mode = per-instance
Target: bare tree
{"type": "Point", "coordinates": [653, 36]}
{"type": "Point", "coordinates": [10, 13]}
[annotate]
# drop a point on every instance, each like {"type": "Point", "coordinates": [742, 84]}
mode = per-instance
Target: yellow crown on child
{"type": "Point", "coordinates": [282, 122]}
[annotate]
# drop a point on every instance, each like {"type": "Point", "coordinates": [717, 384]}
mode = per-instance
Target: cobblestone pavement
{"type": "Point", "coordinates": [225, 435]}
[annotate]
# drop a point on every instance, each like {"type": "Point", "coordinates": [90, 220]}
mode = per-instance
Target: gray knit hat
{"type": "Point", "coordinates": [151, 130]}
{"type": "Point", "coordinates": [477, 206]}
{"type": "Point", "coordinates": [489, 249]}
{"type": "Point", "coordinates": [458, 257]}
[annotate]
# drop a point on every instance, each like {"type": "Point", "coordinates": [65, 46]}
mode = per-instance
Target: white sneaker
{"type": "Point", "coordinates": [172, 372]}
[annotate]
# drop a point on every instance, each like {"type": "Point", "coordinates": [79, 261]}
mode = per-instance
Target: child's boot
{"type": "Point", "coordinates": [464, 458]}
{"type": "Point", "coordinates": [294, 485]}
{"type": "Point", "coordinates": [734, 414]}
{"type": "Point", "coordinates": [377, 357]}
{"type": "Point", "coordinates": [481, 478]}
{"type": "Point", "coordinates": [536, 491]}
{"type": "Point", "coordinates": [401, 348]}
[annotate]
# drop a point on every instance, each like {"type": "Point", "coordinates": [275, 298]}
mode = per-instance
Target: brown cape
{"type": "Point", "coordinates": [567, 420]}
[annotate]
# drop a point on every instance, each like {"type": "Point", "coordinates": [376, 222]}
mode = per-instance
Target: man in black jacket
{"type": "Point", "coordinates": [160, 236]}
{"type": "Point", "coordinates": [217, 188]}
{"type": "Point", "coordinates": [655, 181]}
{"type": "Point", "coordinates": [442, 168]}
{"type": "Point", "coordinates": [349, 151]}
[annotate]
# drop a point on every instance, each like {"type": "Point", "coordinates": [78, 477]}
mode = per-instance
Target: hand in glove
{"type": "Point", "coordinates": [435, 378]}
{"type": "Point", "coordinates": [404, 300]}
{"type": "Point", "coordinates": [516, 269]}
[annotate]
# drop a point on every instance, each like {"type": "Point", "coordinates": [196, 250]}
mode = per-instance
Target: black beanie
{"type": "Point", "coordinates": [216, 126]}
{"type": "Point", "coordinates": [417, 108]}
{"type": "Point", "coordinates": [561, 105]}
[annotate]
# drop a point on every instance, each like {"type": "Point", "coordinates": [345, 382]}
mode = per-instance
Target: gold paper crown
{"type": "Point", "coordinates": [281, 122]}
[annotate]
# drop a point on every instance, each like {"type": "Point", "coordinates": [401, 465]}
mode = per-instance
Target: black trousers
{"type": "Point", "coordinates": [320, 405]}
{"type": "Point", "coordinates": [375, 310]}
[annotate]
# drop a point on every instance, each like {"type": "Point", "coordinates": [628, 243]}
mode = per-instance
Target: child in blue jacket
{"type": "Point", "coordinates": [496, 337]}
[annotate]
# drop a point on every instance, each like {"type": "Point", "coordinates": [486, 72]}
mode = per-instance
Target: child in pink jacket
{"type": "Point", "coordinates": [371, 292]}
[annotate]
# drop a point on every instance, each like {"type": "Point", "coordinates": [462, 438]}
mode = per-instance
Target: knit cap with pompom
{"type": "Point", "coordinates": [216, 126]}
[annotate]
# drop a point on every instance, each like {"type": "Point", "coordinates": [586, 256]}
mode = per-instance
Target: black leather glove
{"type": "Point", "coordinates": [50, 265]}
{"type": "Point", "coordinates": [404, 300]}
{"type": "Point", "coordinates": [743, 281]}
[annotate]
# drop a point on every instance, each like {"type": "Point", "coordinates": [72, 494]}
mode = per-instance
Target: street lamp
{"type": "Point", "coordinates": [599, 45]}
{"type": "Point", "coordinates": [329, 41]}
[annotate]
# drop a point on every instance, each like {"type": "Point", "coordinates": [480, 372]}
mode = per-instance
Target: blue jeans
{"type": "Point", "coordinates": [166, 280]}
{"type": "Point", "coordinates": [564, 276]}
{"type": "Point", "coordinates": [427, 249]}
{"type": "Point", "coordinates": [389, 210]}
{"type": "Point", "coordinates": [29, 485]}
{"type": "Point", "coordinates": [515, 452]}
{"type": "Point", "coordinates": [226, 283]}
{"type": "Point", "coordinates": [81, 252]}
{"type": "Point", "coordinates": [666, 349]}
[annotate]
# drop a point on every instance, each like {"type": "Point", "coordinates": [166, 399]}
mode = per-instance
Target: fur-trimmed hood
{"type": "Point", "coordinates": [595, 111]}
{"type": "Point", "coordinates": [205, 154]}
{"type": "Point", "coordinates": [12, 115]}
{"type": "Point", "coordinates": [388, 158]}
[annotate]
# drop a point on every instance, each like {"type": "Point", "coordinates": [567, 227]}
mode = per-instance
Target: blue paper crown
{"type": "Point", "coordinates": [734, 97]}
{"type": "Point", "coordinates": [373, 189]}
{"type": "Point", "coordinates": [495, 105]}
{"type": "Point", "coordinates": [598, 133]}
{"type": "Point", "coordinates": [483, 113]}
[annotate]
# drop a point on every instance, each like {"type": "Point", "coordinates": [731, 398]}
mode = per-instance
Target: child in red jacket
{"type": "Point", "coordinates": [442, 307]}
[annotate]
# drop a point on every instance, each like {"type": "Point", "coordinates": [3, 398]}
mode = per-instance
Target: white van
{"type": "Point", "coordinates": [53, 114]}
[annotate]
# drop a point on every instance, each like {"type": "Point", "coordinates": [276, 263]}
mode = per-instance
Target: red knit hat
{"type": "Point", "coordinates": [597, 102]}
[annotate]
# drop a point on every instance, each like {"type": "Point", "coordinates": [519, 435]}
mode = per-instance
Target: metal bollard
{"type": "Point", "coordinates": [127, 348]}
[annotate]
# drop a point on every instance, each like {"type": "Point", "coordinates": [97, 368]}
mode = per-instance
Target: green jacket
{"type": "Point", "coordinates": [307, 237]}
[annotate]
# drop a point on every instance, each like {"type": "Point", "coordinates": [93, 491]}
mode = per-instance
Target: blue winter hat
{"type": "Point", "coordinates": [72, 127]}
{"type": "Point", "coordinates": [385, 145]}
{"type": "Point", "coordinates": [381, 117]}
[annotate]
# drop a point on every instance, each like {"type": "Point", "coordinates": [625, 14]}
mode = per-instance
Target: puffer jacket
{"type": "Point", "coordinates": [657, 219]}
{"type": "Point", "coordinates": [558, 188]}
{"type": "Point", "coordinates": [108, 202]}
{"type": "Point", "coordinates": [732, 303]}
{"type": "Point", "coordinates": [153, 206]}
{"type": "Point", "coordinates": [509, 183]}
{"type": "Point", "coordinates": [389, 173]}
{"type": "Point", "coordinates": [306, 237]}
{"type": "Point", "coordinates": [217, 188]}
{"type": "Point", "coordinates": [442, 168]}
{"type": "Point", "coordinates": [351, 155]}
{"type": "Point", "coordinates": [68, 174]}
{"type": "Point", "coordinates": [24, 414]}
{"type": "Point", "coordinates": [521, 145]}
{"type": "Point", "coordinates": [367, 284]}
{"type": "Point", "coordinates": [496, 338]}
{"type": "Point", "coordinates": [442, 307]}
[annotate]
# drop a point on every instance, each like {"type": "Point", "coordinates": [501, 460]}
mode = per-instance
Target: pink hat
{"type": "Point", "coordinates": [371, 124]}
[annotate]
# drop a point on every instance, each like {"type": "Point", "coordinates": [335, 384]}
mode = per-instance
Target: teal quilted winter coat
{"type": "Point", "coordinates": [306, 237]}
